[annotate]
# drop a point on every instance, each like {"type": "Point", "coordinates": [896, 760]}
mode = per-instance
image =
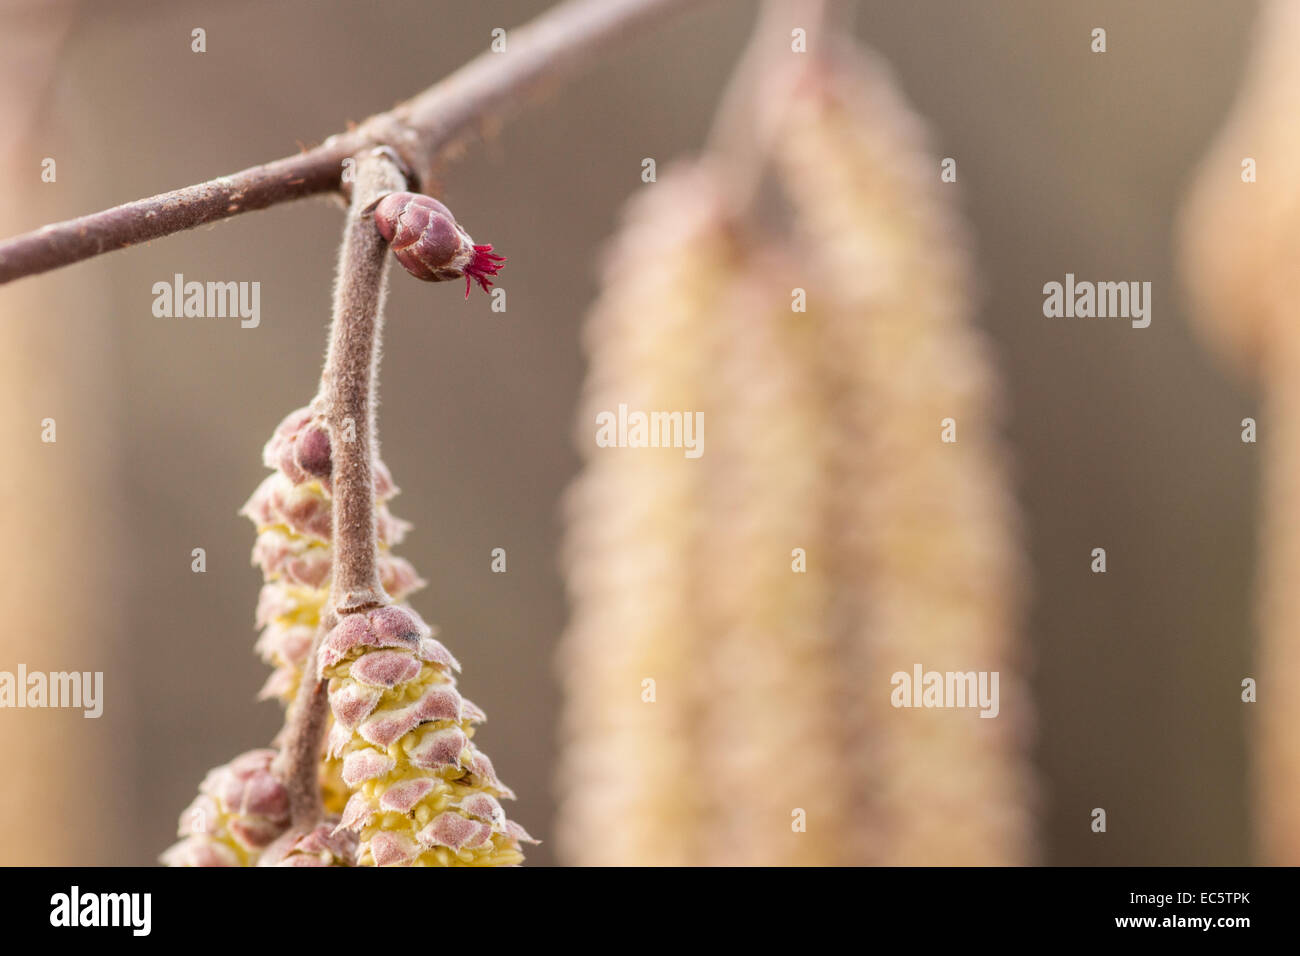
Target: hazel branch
{"type": "Point", "coordinates": [347, 402]}
{"type": "Point", "coordinates": [423, 130]}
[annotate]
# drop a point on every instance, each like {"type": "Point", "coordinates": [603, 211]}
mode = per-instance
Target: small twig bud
{"type": "Point", "coordinates": [430, 244]}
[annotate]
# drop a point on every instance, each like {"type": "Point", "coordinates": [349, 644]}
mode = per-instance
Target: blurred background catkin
{"type": "Point", "coordinates": [1240, 240]}
{"type": "Point", "coordinates": [825, 539]}
{"type": "Point", "coordinates": [1068, 161]}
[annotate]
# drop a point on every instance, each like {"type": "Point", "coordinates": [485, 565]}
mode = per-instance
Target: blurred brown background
{"type": "Point", "coordinates": [1068, 162]}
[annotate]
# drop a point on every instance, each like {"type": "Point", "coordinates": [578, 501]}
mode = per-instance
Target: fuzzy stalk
{"type": "Point", "coordinates": [349, 383]}
{"type": "Point", "coordinates": [347, 401]}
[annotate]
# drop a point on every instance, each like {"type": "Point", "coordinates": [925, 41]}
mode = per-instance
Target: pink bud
{"type": "Point", "coordinates": [430, 244]}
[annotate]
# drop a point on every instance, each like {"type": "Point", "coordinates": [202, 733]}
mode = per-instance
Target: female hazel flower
{"type": "Point", "coordinates": [430, 244]}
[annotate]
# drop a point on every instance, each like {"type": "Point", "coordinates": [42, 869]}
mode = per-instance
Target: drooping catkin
{"type": "Point", "coordinates": [773, 662]}
{"type": "Point", "coordinates": [1240, 240]}
{"type": "Point", "coordinates": [422, 793]}
{"type": "Point", "coordinates": [633, 788]}
{"type": "Point", "coordinates": [925, 565]}
{"type": "Point", "coordinates": [826, 539]}
{"type": "Point", "coordinates": [291, 511]}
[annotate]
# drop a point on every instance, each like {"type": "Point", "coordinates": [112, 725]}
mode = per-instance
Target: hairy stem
{"type": "Point", "coordinates": [347, 402]}
{"type": "Point", "coordinates": [347, 388]}
{"type": "Point", "coordinates": [423, 130]}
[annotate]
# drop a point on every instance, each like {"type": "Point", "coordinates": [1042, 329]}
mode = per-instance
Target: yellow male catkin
{"type": "Point", "coordinates": [633, 789]}
{"type": "Point", "coordinates": [924, 562]}
{"type": "Point", "coordinates": [774, 665]}
{"type": "Point", "coordinates": [422, 793]}
{"type": "Point", "coordinates": [1240, 241]}
{"type": "Point", "coordinates": [291, 511]}
{"type": "Point", "coordinates": [241, 807]}
{"type": "Point", "coordinates": [767, 591]}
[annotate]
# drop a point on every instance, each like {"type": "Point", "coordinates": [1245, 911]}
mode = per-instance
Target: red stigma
{"type": "Point", "coordinates": [483, 264]}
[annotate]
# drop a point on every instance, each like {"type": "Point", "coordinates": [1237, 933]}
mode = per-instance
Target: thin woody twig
{"type": "Point", "coordinates": [423, 130]}
{"type": "Point", "coordinates": [299, 760]}
{"type": "Point", "coordinates": [347, 402]}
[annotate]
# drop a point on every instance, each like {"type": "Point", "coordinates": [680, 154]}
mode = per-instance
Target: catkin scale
{"type": "Point", "coordinates": [241, 809]}
{"type": "Point", "coordinates": [400, 766]}
{"type": "Point", "coordinates": [291, 510]}
{"type": "Point", "coordinates": [422, 794]}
